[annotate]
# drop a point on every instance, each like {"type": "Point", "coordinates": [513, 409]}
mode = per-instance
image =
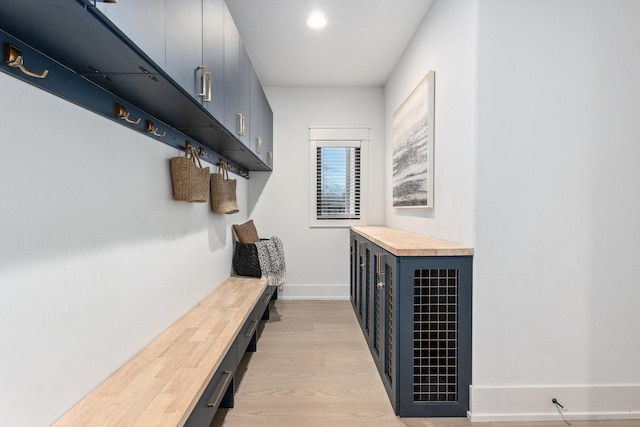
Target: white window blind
{"type": "Point", "coordinates": [337, 183]}
{"type": "Point", "coordinates": [338, 170]}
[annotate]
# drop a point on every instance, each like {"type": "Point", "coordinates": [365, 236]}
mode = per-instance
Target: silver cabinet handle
{"type": "Point", "coordinates": [362, 254]}
{"type": "Point", "coordinates": [206, 84]}
{"type": "Point", "coordinates": [209, 78]}
{"type": "Point", "coordinates": [240, 124]}
{"type": "Point", "coordinates": [259, 145]}
{"type": "Point", "coordinates": [203, 93]}
{"type": "Point", "coordinates": [380, 270]}
{"type": "Point", "coordinates": [220, 393]}
{"type": "Point", "coordinates": [269, 158]}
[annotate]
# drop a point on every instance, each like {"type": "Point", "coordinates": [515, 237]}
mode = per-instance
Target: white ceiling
{"type": "Point", "coordinates": [360, 45]}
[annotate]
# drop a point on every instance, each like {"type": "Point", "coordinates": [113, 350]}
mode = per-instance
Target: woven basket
{"type": "Point", "coordinates": [223, 191]}
{"type": "Point", "coordinates": [190, 179]}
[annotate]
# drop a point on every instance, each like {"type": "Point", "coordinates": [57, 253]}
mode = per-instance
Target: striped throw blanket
{"type": "Point", "coordinates": [271, 257]}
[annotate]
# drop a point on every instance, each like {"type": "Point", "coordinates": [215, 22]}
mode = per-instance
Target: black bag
{"type": "Point", "coordinates": [245, 260]}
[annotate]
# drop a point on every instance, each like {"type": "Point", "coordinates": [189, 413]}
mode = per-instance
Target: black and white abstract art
{"type": "Point", "coordinates": [413, 147]}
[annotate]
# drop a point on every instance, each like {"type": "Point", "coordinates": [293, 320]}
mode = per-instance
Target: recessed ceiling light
{"type": "Point", "coordinates": [316, 20]}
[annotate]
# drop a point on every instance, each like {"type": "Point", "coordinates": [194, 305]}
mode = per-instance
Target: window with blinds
{"type": "Point", "coordinates": [337, 183]}
{"type": "Point", "coordinates": [337, 179]}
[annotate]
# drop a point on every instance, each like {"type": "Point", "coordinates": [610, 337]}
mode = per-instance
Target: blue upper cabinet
{"type": "Point", "coordinates": [184, 43]}
{"type": "Point", "coordinates": [148, 33]}
{"type": "Point", "coordinates": [212, 73]}
{"type": "Point", "coordinates": [180, 61]}
{"type": "Point", "coordinates": [261, 122]}
{"type": "Point", "coordinates": [237, 80]}
{"type": "Point", "coordinates": [267, 129]}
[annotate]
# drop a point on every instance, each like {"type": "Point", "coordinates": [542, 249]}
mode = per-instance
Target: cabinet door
{"type": "Point", "coordinates": [434, 347]}
{"type": "Point", "coordinates": [359, 275]}
{"type": "Point", "coordinates": [143, 22]}
{"type": "Point", "coordinates": [237, 82]}
{"type": "Point", "coordinates": [267, 117]}
{"type": "Point", "coordinates": [262, 123]}
{"type": "Point", "coordinates": [354, 264]}
{"type": "Point", "coordinates": [384, 308]}
{"type": "Point", "coordinates": [213, 55]}
{"type": "Point", "coordinates": [218, 393]}
{"type": "Point", "coordinates": [255, 134]}
{"type": "Point", "coordinates": [184, 43]}
{"type": "Point", "coordinates": [368, 287]}
{"type": "Point", "coordinates": [363, 280]}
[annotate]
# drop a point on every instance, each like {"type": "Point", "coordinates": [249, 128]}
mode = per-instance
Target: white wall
{"type": "Point", "coordinates": [96, 259]}
{"type": "Point", "coordinates": [556, 280]}
{"type": "Point", "coordinates": [536, 165]}
{"type": "Point", "coordinates": [445, 42]}
{"type": "Point", "coordinates": [317, 259]}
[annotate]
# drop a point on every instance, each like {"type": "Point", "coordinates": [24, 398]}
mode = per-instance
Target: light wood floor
{"type": "Point", "coordinates": [313, 369]}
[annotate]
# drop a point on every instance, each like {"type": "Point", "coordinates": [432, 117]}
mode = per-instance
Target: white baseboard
{"type": "Point", "coordinates": [314, 292]}
{"type": "Point", "coordinates": [595, 402]}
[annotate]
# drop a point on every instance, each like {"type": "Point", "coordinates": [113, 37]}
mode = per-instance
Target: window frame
{"type": "Point", "coordinates": [338, 137]}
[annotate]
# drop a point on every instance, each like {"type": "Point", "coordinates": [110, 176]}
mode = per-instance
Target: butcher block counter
{"type": "Point", "coordinates": [161, 385]}
{"type": "Point", "coordinates": [404, 243]}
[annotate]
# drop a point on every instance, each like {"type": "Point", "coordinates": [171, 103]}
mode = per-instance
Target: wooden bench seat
{"type": "Point", "coordinates": [164, 382]}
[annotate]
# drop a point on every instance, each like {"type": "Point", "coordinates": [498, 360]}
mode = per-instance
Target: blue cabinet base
{"type": "Point", "coordinates": [415, 313]}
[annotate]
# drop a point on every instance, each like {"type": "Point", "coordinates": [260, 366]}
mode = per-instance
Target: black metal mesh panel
{"type": "Point", "coordinates": [435, 335]}
{"type": "Point", "coordinates": [366, 296]}
{"type": "Point", "coordinates": [361, 282]}
{"type": "Point", "coordinates": [352, 258]}
{"type": "Point", "coordinates": [388, 348]}
{"type": "Point", "coordinates": [377, 309]}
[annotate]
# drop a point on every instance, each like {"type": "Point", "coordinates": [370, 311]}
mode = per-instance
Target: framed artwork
{"type": "Point", "coordinates": [413, 125]}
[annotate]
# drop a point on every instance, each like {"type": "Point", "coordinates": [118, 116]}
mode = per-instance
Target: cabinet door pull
{"type": "Point", "coordinates": [240, 124]}
{"type": "Point", "coordinates": [220, 393]}
{"type": "Point", "coordinates": [206, 88]}
{"type": "Point", "coordinates": [259, 145]}
{"type": "Point", "coordinates": [269, 158]}
{"type": "Point", "coordinates": [266, 299]}
{"type": "Point", "coordinates": [252, 329]}
{"type": "Point", "coordinates": [380, 270]}
{"type": "Point", "coordinates": [209, 79]}
{"type": "Point", "coordinates": [362, 256]}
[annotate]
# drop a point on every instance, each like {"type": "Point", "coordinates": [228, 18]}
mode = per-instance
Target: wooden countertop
{"type": "Point", "coordinates": [161, 384]}
{"type": "Point", "coordinates": [404, 243]}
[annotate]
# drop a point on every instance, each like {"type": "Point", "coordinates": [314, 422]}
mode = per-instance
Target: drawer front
{"type": "Point", "coordinates": [271, 293]}
{"type": "Point", "coordinates": [219, 392]}
{"type": "Point", "coordinates": [247, 335]}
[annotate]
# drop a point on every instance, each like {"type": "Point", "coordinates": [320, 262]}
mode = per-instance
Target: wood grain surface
{"type": "Point", "coordinates": [313, 369]}
{"type": "Point", "coordinates": [404, 243]}
{"type": "Point", "coordinates": [161, 384]}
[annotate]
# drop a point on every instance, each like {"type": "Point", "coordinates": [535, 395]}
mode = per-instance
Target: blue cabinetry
{"type": "Point", "coordinates": [213, 56]}
{"type": "Point", "coordinates": [415, 313]}
{"type": "Point", "coordinates": [237, 76]}
{"type": "Point", "coordinates": [149, 35]}
{"type": "Point", "coordinates": [181, 62]}
{"type": "Point", "coordinates": [183, 42]}
{"type": "Point", "coordinates": [261, 122]}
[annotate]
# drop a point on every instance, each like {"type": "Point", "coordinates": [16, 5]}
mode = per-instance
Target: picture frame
{"type": "Point", "coordinates": [413, 147]}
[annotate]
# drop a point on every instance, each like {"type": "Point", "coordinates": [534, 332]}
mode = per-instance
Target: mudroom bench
{"type": "Point", "coordinates": [184, 375]}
